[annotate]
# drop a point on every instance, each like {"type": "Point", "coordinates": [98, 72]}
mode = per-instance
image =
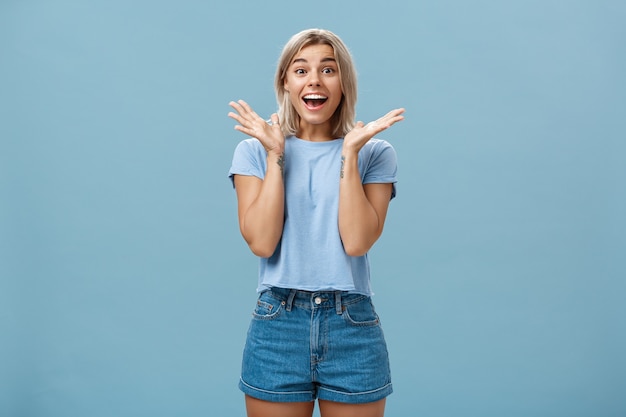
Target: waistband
{"type": "Point", "coordinates": [315, 299]}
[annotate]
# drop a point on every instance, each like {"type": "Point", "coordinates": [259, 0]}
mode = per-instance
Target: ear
{"type": "Point", "coordinates": [285, 85]}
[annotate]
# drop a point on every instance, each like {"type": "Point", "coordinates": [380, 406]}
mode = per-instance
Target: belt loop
{"type": "Point", "coordinates": [338, 308]}
{"type": "Point", "coordinates": [292, 295]}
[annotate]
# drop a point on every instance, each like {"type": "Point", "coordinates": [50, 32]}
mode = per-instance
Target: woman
{"type": "Point", "coordinates": [313, 189]}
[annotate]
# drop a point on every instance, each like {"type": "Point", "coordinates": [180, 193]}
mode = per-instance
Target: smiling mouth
{"type": "Point", "coordinates": [314, 100]}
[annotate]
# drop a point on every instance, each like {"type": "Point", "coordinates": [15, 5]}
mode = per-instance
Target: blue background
{"type": "Point", "coordinates": [126, 289]}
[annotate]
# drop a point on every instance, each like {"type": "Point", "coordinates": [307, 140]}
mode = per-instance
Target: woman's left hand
{"type": "Point", "coordinates": [361, 133]}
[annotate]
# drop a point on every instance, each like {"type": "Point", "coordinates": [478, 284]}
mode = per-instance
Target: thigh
{"type": "Point", "coordinates": [335, 409]}
{"type": "Point", "coordinates": [260, 408]}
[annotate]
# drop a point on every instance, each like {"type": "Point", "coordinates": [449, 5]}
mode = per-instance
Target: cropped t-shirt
{"type": "Point", "coordinates": [310, 255]}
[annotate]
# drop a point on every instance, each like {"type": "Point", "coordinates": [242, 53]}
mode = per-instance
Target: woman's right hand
{"type": "Point", "coordinates": [251, 124]}
{"type": "Point", "coordinates": [261, 202]}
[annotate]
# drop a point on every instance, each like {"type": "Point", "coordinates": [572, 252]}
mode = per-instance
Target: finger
{"type": "Point", "coordinates": [396, 111]}
{"type": "Point", "coordinates": [248, 109]}
{"type": "Point", "coordinates": [244, 130]}
{"type": "Point", "coordinates": [245, 116]}
{"type": "Point", "coordinates": [393, 114]}
{"type": "Point", "coordinates": [243, 109]}
{"type": "Point", "coordinates": [243, 104]}
{"type": "Point", "coordinates": [236, 117]}
{"type": "Point", "coordinates": [383, 123]}
{"type": "Point", "coordinates": [236, 106]}
{"type": "Point", "coordinates": [249, 130]}
{"type": "Point", "coordinates": [392, 117]}
{"type": "Point", "coordinates": [391, 121]}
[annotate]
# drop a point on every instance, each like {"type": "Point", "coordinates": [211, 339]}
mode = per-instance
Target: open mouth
{"type": "Point", "coordinates": [314, 100]}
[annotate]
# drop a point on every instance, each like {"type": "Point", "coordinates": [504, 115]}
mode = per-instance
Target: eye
{"type": "Point", "coordinates": [328, 70]}
{"type": "Point", "coordinates": [300, 71]}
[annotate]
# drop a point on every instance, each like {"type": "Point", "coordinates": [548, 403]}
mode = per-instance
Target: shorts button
{"type": "Point", "coordinates": [318, 300]}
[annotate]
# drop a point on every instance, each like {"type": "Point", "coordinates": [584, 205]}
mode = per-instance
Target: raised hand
{"type": "Point", "coordinates": [361, 133]}
{"type": "Point", "coordinates": [251, 124]}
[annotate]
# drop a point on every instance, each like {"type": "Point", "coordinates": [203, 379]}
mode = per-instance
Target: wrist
{"type": "Point", "coordinates": [276, 158]}
{"type": "Point", "coordinates": [348, 152]}
{"type": "Point", "coordinates": [275, 151]}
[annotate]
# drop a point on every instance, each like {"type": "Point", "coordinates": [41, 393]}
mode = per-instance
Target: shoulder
{"type": "Point", "coordinates": [248, 158]}
{"type": "Point", "coordinates": [249, 145]}
{"type": "Point", "coordinates": [378, 148]}
{"type": "Point", "coordinates": [249, 149]}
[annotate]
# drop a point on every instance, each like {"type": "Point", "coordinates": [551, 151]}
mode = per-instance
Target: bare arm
{"type": "Point", "coordinates": [260, 206]}
{"type": "Point", "coordinates": [260, 203]}
{"type": "Point", "coordinates": [362, 208]}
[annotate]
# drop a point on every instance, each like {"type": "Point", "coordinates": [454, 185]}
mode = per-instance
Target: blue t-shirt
{"type": "Point", "coordinates": [310, 255]}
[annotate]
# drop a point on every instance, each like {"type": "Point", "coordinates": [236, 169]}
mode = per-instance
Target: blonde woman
{"type": "Point", "coordinates": [313, 188]}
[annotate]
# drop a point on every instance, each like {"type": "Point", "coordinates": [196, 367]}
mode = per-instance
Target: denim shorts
{"type": "Point", "coordinates": [305, 345]}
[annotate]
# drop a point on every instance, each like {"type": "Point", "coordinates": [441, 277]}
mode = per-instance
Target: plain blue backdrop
{"type": "Point", "coordinates": [126, 289]}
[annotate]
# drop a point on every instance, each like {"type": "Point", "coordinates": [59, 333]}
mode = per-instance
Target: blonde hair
{"type": "Point", "coordinates": [343, 119]}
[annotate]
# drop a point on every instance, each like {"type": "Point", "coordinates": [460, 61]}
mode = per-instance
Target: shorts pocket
{"type": "Point", "coordinates": [361, 313]}
{"type": "Point", "coordinates": [267, 307]}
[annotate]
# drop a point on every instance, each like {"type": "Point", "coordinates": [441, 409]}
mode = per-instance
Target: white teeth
{"type": "Point", "coordinates": [314, 97]}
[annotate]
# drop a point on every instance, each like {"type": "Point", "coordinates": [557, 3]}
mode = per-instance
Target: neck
{"type": "Point", "coordinates": [315, 133]}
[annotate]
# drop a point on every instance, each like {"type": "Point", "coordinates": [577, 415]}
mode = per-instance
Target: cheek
{"type": "Point", "coordinates": [293, 98]}
{"type": "Point", "coordinates": [337, 87]}
{"type": "Point", "coordinates": [337, 94]}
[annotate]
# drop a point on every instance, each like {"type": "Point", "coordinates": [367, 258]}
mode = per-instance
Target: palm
{"type": "Point", "coordinates": [361, 133]}
{"type": "Point", "coordinates": [251, 124]}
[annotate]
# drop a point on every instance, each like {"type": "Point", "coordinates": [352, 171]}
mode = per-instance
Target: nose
{"type": "Point", "coordinates": [314, 80]}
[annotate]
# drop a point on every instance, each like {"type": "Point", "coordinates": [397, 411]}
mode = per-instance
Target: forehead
{"type": "Point", "coordinates": [316, 52]}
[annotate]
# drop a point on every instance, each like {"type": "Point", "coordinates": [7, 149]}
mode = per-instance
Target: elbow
{"type": "Point", "coordinates": [262, 253]}
{"type": "Point", "coordinates": [262, 250]}
{"type": "Point", "coordinates": [359, 245]}
{"type": "Point", "coordinates": [263, 245]}
{"type": "Point", "coordinates": [356, 249]}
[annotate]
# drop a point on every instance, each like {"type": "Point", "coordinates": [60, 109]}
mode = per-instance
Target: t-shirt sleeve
{"type": "Point", "coordinates": [382, 165]}
{"type": "Point", "coordinates": [248, 159]}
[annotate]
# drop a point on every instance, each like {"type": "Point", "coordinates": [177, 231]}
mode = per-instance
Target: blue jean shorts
{"type": "Point", "coordinates": [305, 345]}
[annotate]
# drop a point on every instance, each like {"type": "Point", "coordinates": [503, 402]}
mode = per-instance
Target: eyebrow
{"type": "Point", "coordinates": [327, 59]}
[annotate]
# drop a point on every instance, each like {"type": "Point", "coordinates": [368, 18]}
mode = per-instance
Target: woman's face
{"type": "Point", "coordinates": [314, 85]}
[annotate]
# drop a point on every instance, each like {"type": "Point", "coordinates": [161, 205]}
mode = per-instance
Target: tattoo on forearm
{"type": "Point", "coordinates": [281, 162]}
{"type": "Point", "coordinates": [343, 162]}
